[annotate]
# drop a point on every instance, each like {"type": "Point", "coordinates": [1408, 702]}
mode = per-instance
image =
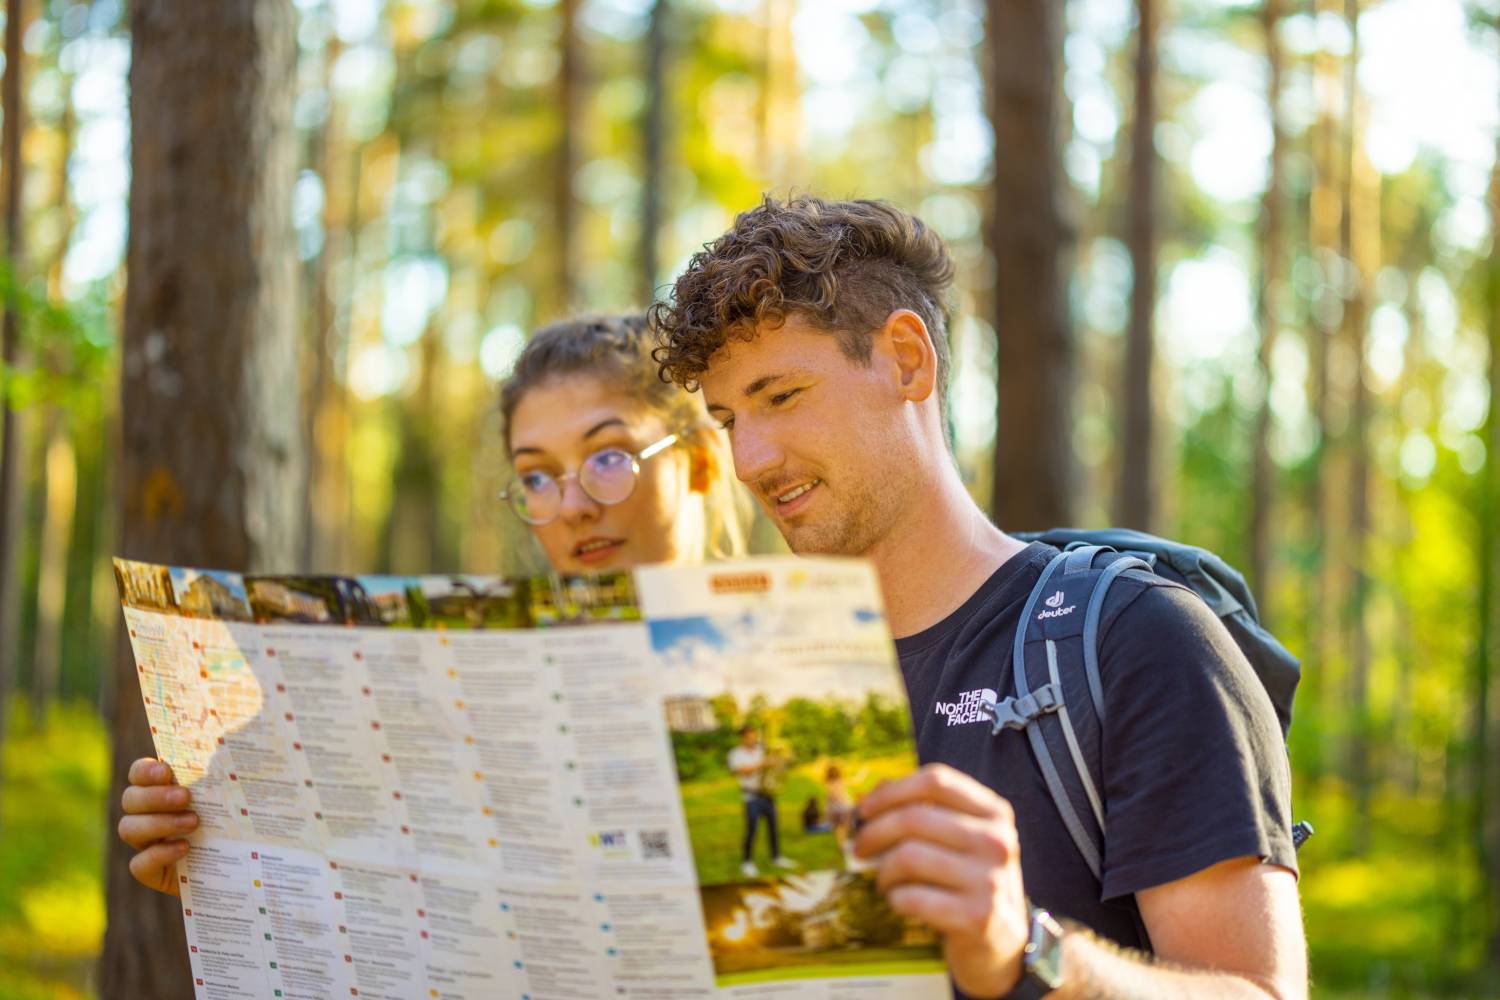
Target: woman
{"type": "Point", "coordinates": [613, 468]}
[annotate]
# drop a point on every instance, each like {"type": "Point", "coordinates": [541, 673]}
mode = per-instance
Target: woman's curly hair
{"type": "Point", "coordinates": [845, 266]}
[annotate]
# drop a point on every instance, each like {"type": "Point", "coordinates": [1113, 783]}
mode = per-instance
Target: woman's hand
{"type": "Point", "coordinates": [155, 821]}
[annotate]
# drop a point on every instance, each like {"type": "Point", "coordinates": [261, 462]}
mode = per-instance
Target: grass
{"type": "Point", "coordinates": [824, 964]}
{"type": "Point", "coordinates": [716, 819]}
{"type": "Point", "coordinates": [52, 837]}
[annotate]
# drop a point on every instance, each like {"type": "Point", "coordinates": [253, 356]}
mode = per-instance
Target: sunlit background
{"type": "Point", "coordinates": [425, 212]}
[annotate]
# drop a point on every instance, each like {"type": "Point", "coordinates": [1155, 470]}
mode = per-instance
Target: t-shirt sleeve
{"type": "Point", "coordinates": [1195, 771]}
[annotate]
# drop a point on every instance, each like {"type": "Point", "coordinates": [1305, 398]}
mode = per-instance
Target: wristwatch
{"type": "Point", "coordinates": [1041, 959]}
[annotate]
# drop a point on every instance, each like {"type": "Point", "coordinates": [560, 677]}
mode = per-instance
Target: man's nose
{"type": "Point", "coordinates": [756, 452]}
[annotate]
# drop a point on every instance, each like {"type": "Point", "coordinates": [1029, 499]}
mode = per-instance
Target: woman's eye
{"type": "Point", "coordinates": [606, 461]}
{"type": "Point", "coordinates": [535, 482]}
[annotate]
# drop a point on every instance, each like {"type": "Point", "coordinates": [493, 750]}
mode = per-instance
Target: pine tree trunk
{"type": "Point", "coordinates": [653, 176]}
{"type": "Point", "coordinates": [1262, 494]}
{"type": "Point", "coordinates": [1135, 507]}
{"type": "Point", "coordinates": [1487, 652]}
{"type": "Point", "coordinates": [1321, 618]}
{"type": "Point", "coordinates": [210, 458]}
{"type": "Point", "coordinates": [565, 205]}
{"type": "Point", "coordinates": [1030, 238]}
{"type": "Point", "coordinates": [60, 493]}
{"type": "Point", "coordinates": [1359, 246]}
{"type": "Point", "coordinates": [11, 438]}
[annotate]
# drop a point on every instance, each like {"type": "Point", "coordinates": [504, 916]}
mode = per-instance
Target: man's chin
{"type": "Point", "coordinates": [816, 540]}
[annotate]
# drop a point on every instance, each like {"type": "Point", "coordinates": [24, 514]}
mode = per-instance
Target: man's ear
{"type": "Point", "coordinates": [911, 353]}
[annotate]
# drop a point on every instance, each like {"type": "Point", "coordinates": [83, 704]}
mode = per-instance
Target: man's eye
{"type": "Point", "coordinates": [535, 482]}
{"type": "Point", "coordinates": [782, 397]}
{"type": "Point", "coordinates": [727, 424]}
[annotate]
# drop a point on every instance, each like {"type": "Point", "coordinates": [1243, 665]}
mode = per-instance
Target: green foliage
{"type": "Point", "coordinates": [52, 807]}
{"type": "Point", "coordinates": [66, 348]}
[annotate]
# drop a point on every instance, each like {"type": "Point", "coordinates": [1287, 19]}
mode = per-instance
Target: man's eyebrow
{"type": "Point", "coordinates": [525, 451]}
{"type": "Point", "coordinates": [761, 383]}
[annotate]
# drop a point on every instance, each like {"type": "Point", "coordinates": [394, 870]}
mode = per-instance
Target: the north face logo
{"type": "Point", "coordinates": [968, 707]}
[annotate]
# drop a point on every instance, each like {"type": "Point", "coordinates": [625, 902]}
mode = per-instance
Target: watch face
{"type": "Point", "coordinates": [1044, 950]}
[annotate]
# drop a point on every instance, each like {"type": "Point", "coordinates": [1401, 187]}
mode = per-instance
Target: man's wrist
{"type": "Point", "coordinates": [1041, 959]}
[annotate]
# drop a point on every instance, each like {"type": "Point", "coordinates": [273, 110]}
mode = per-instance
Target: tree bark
{"type": "Point", "coordinates": [1262, 496]}
{"type": "Point", "coordinates": [210, 459]}
{"type": "Point", "coordinates": [1135, 507]}
{"type": "Point", "coordinates": [59, 504]}
{"type": "Point", "coordinates": [1487, 648]}
{"type": "Point", "coordinates": [1030, 239]}
{"type": "Point", "coordinates": [1359, 245]}
{"type": "Point", "coordinates": [565, 205]}
{"type": "Point", "coordinates": [653, 177]}
{"type": "Point", "coordinates": [11, 438]}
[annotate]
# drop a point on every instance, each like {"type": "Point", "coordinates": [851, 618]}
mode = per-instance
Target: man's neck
{"type": "Point", "coordinates": [936, 557]}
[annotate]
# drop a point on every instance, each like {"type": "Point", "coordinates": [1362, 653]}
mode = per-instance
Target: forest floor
{"type": "Point", "coordinates": [52, 830]}
{"type": "Point", "coordinates": [1399, 922]}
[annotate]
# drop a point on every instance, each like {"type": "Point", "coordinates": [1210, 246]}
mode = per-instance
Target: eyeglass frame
{"type": "Point", "coordinates": [636, 458]}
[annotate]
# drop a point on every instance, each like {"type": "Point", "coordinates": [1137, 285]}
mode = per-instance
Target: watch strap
{"type": "Point", "coordinates": [1041, 960]}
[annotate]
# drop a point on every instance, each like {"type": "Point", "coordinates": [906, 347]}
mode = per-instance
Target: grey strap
{"type": "Point", "coordinates": [1072, 738]}
{"type": "Point", "coordinates": [1050, 775]}
{"type": "Point", "coordinates": [1059, 793]}
{"type": "Point", "coordinates": [1018, 652]}
{"type": "Point", "coordinates": [1091, 627]}
{"type": "Point", "coordinates": [1081, 559]}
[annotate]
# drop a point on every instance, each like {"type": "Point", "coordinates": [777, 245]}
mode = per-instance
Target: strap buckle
{"type": "Point", "coordinates": [1018, 713]}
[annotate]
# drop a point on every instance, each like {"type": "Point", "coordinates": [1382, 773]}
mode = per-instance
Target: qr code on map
{"type": "Point", "coordinates": [655, 844]}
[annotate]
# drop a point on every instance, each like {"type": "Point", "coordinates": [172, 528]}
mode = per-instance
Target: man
{"type": "Point", "coordinates": [749, 763]}
{"type": "Point", "coordinates": [816, 331]}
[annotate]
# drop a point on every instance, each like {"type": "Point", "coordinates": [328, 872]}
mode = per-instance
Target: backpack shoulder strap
{"type": "Point", "coordinates": [1052, 648]}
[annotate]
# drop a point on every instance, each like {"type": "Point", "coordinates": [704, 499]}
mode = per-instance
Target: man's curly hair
{"type": "Point", "coordinates": [844, 266]}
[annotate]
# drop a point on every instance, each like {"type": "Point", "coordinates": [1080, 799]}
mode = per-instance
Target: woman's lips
{"type": "Point", "coordinates": [596, 550]}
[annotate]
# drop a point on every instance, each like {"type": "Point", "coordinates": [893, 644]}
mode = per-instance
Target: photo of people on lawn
{"type": "Point", "coordinates": [775, 741]}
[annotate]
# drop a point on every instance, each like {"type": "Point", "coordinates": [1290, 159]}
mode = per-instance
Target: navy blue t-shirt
{"type": "Point", "coordinates": [1194, 768]}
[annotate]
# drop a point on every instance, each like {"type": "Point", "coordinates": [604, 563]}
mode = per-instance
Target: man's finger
{"type": "Point", "coordinates": [940, 825]}
{"type": "Point", "coordinates": [141, 832]}
{"type": "Point", "coordinates": [940, 785]}
{"type": "Point", "coordinates": [944, 910]}
{"type": "Point", "coordinates": [138, 800]}
{"type": "Point", "coordinates": [150, 771]}
{"type": "Point", "coordinates": [155, 867]}
{"type": "Point", "coordinates": [920, 862]}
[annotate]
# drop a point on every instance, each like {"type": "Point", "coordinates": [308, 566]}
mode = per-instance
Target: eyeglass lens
{"type": "Point", "coordinates": [607, 476]}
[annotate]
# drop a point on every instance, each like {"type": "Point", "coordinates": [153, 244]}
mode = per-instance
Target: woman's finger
{"type": "Point", "coordinates": [141, 832]}
{"type": "Point", "coordinates": [156, 866]}
{"type": "Point", "coordinates": [141, 799]}
{"type": "Point", "coordinates": [150, 771]}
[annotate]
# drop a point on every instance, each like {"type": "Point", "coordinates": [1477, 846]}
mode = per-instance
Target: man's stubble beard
{"type": "Point", "coordinates": [852, 528]}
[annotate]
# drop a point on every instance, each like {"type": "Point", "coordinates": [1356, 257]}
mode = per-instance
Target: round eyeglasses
{"type": "Point", "coordinates": [608, 476]}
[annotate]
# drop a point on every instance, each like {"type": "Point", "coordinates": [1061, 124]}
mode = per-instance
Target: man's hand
{"type": "Point", "coordinates": [947, 853]}
{"type": "Point", "coordinates": [156, 818]}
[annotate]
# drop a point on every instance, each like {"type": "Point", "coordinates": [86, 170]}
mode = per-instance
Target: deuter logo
{"type": "Point", "coordinates": [968, 707]}
{"type": "Point", "coordinates": [1055, 602]}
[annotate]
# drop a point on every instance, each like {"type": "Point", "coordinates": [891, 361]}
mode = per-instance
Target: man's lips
{"type": "Point", "coordinates": [789, 497]}
{"type": "Point", "coordinates": [592, 550]}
